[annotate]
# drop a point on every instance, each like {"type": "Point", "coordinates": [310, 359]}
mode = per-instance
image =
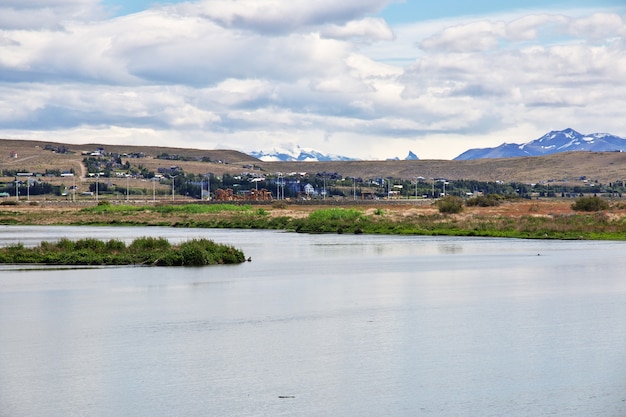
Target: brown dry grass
{"type": "Point", "coordinates": [603, 167]}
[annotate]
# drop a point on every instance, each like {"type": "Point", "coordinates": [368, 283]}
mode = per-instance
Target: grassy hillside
{"type": "Point", "coordinates": [602, 167]}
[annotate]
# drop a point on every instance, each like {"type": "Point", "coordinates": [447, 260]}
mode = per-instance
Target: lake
{"type": "Point", "coordinates": [319, 325]}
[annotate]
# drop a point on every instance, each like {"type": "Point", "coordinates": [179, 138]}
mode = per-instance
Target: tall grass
{"type": "Point", "coordinates": [142, 251]}
{"type": "Point", "coordinates": [335, 214]}
{"type": "Point", "coordinates": [331, 220]}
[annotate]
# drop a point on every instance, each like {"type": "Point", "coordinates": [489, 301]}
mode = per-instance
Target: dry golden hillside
{"type": "Point", "coordinates": [603, 167]}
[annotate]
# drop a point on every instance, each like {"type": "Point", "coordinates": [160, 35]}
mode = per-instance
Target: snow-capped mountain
{"type": "Point", "coordinates": [411, 157]}
{"type": "Point", "coordinates": [553, 142]}
{"type": "Point", "coordinates": [297, 154]}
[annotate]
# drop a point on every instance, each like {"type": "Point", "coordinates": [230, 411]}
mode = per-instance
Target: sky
{"type": "Point", "coordinates": [368, 79]}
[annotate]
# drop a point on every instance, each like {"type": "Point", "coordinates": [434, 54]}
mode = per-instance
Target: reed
{"type": "Point", "coordinates": [142, 251]}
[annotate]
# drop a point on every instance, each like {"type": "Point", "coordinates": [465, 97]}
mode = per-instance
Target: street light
{"type": "Point", "coordinates": [28, 188]}
{"type": "Point", "coordinates": [278, 178]}
{"type": "Point", "coordinates": [208, 186]}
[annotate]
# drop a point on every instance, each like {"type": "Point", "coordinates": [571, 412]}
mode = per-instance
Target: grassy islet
{"type": "Point", "coordinates": [142, 251]}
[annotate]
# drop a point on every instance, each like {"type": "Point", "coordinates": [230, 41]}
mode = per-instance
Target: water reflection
{"type": "Point", "coordinates": [450, 248]}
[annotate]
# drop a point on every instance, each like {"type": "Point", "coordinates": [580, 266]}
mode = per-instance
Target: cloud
{"type": "Point", "coordinates": [47, 14]}
{"type": "Point", "coordinates": [475, 36]}
{"type": "Point", "coordinates": [370, 28]}
{"type": "Point", "coordinates": [598, 26]}
{"type": "Point", "coordinates": [275, 17]}
{"type": "Point", "coordinates": [328, 75]}
{"type": "Point", "coordinates": [531, 27]}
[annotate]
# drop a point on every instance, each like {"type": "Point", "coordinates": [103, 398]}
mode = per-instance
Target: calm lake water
{"type": "Point", "coordinates": [319, 325]}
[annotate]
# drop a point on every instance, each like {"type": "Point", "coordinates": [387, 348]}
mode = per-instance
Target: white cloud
{"type": "Point", "coordinates": [530, 27]}
{"type": "Point", "coordinates": [275, 16]}
{"type": "Point", "coordinates": [47, 14]}
{"type": "Point", "coordinates": [367, 29]}
{"type": "Point", "coordinates": [598, 26]}
{"type": "Point", "coordinates": [475, 36]}
{"type": "Point", "coordinates": [326, 75]}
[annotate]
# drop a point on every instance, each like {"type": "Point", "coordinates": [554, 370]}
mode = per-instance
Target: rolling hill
{"type": "Point", "coordinates": [603, 167]}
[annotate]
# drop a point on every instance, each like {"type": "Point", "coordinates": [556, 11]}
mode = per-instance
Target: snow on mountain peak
{"type": "Point", "coordinates": [291, 152]}
{"type": "Point", "coordinates": [552, 142]}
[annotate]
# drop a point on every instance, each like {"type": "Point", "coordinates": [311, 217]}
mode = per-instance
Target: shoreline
{"type": "Point", "coordinates": [534, 219]}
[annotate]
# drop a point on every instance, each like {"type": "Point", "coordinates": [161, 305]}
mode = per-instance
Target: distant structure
{"type": "Point", "coordinates": [368, 195]}
{"type": "Point", "coordinates": [13, 154]}
{"type": "Point", "coordinates": [252, 195]}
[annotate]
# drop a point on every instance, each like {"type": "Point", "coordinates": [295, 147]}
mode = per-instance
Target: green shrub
{"type": "Point", "coordinates": [115, 245]}
{"type": "Point", "coordinates": [90, 244]}
{"type": "Point", "coordinates": [450, 204]}
{"type": "Point", "coordinates": [490, 200]}
{"type": "Point", "coordinates": [149, 243]}
{"type": "Point", "coordinates": [65, 244]}
{"type": "Point", "coordinates": [590, 204]}
{"type": "Point", "coordinates": [334, 214]}
{"type": "Point", "coordinates": [194, 253]}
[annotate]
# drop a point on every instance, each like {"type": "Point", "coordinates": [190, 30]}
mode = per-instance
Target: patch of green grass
{"type": "Point", "coordinates": [113, 208]}
{"type": "Point", "coordinates": [201, 208]}
{"type": "Point", "coordinates": [335, 214]}
{"type": "Point", "coordinates": [331, 220]}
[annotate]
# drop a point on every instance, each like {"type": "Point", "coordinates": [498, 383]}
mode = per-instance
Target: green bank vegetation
{"type": "Point", "coordinates": [577, 226]}
{"type": "Point", "coordinates": [142, 251]}
{"type": "Point", "coordinates": [593, 218]}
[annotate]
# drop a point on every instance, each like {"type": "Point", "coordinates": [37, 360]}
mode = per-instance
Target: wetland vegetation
{"type": "Point", "coordinates": [522, 218]}
{"type": "Point", "coordinates": [142, 251]}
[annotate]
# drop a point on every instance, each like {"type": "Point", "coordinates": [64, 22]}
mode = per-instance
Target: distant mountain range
{"type": "Point", "coordinates": [296, 153]}
{"type": "Point", "coordinates": [410, 157]}
{"type": "Point", "coordinates": [553, 142]}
